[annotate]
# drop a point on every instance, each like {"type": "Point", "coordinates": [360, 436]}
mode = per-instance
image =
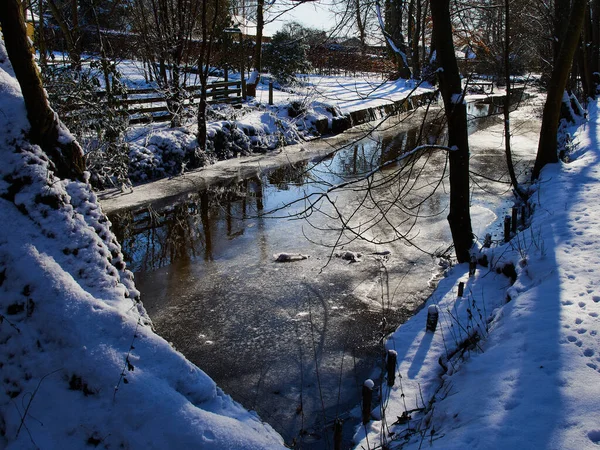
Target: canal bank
{"type": "Point", "coordinates": [338, 132]}
{"type": "Point", "coordinates": [292, 341]}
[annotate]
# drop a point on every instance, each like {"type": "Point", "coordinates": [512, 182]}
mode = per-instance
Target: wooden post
{"type": "Point", "coordinates": [337, 434]}
{"type": "Point", "coordinates": [472, 266]}
{"type": "Point", "coordinates": [487, 241]}
{"type": "Point", "coordinates": [392, 358]}
{"type": "Point", "coordinates": [270, 92]}
{"type": "Point", "coordinates": [367, 397]}
{"type": "Point", "coordinates": [226, 74]}
{"type": "Point", "coordinates": [514, 219]}
{"type": "Point", "coordinates": [506, 228]}
{"type": "Point", "coordinates": [432, 318]}
{"type": "Point", "coordinates": [243, 89]}
{"type": "Point", "coordinates": [523, 215]}
{"type": "Point", "coordinates": [461, 289]}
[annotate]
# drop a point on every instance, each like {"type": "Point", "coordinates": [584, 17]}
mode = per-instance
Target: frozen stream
{"type": "Point", "coordinates": [295, 341]}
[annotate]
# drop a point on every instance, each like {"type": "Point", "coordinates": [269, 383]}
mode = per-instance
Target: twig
{"type": "Point", "coordinates": [32, 397]}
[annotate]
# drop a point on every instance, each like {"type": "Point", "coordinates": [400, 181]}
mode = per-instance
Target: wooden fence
{"type": "Point", "coordinates": [150, 105]}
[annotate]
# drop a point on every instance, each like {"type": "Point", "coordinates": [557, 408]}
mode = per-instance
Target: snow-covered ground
{"type": "Point", "coordinates": [80, 363]}
{"type": "Point", "coordinates": [533, 379]}
{"type": "Point", "coordinates": [346, 92]}
{"type": "Point", "coordinates": [156, 150]}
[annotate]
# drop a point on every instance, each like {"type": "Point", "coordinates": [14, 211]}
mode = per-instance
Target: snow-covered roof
{"type": "Point", "coordinates": [246, 26]}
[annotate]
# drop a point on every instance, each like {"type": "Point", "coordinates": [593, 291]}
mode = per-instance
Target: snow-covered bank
{"type": "Point", "coordinates": [320, 105]}
{"type": "Point", "coordinates": [533, 379]}
{"type": "Point", "coordinates": [80, 363]}
{"type": "Point", "coordinates": [168, 189]}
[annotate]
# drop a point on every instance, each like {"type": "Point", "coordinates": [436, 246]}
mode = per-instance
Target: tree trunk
{"type": "Point", "coordinates": [594, 64]}
{"type": "Point", "coordinates": [203, 65]}
{"type": "Point", "coordinates": [360, 24]}
{"type": "Point", "coordinates": [547, 153]}
{"type": "Point", "coordinates": [260, 24]}
{"type": "Point", "coordinates": [69, 33]}
{"type": "Point", "coordinates": [67, 157]}
{"type": "Point", "coordinates": [410, 30]}
{"type": "Point", "coordinates": [416, 62]}
{"type": "Point", "coordinates": [41, 42]}
{"type": "Point", "coordinates": [561, 10]}
{"type": "Point", "coordinates": [507, 148]}
{"type": "Point", "coordinates": [455, 108]}
{"type": "Point", "coordinates": [393, 28]}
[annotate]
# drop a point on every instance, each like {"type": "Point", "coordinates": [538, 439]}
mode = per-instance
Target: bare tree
{"type": "Point", "coordinates": [394, 36]}
{"type": "Point", "coordinates": [66, 15]}
{"type": "Point", "coordinates": [455, 108]}
{"type": "Point", "coordinates": [548, 135]}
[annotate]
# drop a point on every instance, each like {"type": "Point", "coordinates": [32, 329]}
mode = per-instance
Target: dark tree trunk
{"type": "Point", "coordinates": [410, 30]}
{"type": "Point", "coordinates": [203, 66]}
{"type": "Point", "coordinates": [416, 62]}
{"type": "Point", "coordinates": [561, 10]}
{"type": "Point", "coordinates": [67, 157]}
{"type": "Point", "coordinates": [547, 153]}
{"type": "Point", "coordinates": [70, 33]}
{"type": "Point", "coordinates": [41, 43]}
{"type": "Point", "coordinates": [260, 24]}
{"type": "Point", "coordinates": [393, 28]}
{"type": "Point", "coordinates": [594, 63]}
{"type": "Point", "coordinates": [360, 24]}
{"type": "Point", "coordinates": [507, 137]}
{"type": "Point", "coordinates": [459, 217]}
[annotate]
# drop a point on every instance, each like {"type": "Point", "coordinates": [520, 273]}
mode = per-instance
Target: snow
{"type": "Point", "coordinates": [80, 362]}
{"type": "Point", "coordinates": [514, 362]}
{"type": "Point", "coordinates": [532, 380]}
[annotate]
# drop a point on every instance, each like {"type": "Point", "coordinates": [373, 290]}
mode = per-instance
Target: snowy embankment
{"type": "Point", "coordinates": [80, 363]}
{"type": "Point", "coordinates": [533, 379]}
{"type": "Point", "coordinates": [317, 106]}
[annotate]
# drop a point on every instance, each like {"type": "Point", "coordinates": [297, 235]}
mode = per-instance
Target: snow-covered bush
{"type": "Point", "coordinates": [165, 153]}
{"type": "Point", "coordinates": [228, 141]}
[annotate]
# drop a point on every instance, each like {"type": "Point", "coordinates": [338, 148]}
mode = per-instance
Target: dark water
{"type": "Point", "coordinates": [295, 341]}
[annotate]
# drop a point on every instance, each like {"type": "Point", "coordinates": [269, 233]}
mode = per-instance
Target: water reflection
{"type": "Point", "coordinates": [281, 337]}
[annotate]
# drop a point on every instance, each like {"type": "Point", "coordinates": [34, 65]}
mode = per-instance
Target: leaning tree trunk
{"type": "Point", "coordinates": [455, 108]}
{"type": "Point", "coordinates": [65, 154]}
{"type": "Point", "coordinates": [547, 153]}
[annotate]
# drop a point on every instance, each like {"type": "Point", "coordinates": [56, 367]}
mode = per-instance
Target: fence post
{"type": "Point", "coordinates": [432, 318]}
{"type": "Point", "coordinates": [337, 434]}
{"type": "Point", "coordinates": [270, 92]}
{"type": "Point", "coordinates": [506, 228]}
{"type": "Point", "coordinates": [514, 219]}
{"type": "Point", "coordinates": [472, 266]}
{"type": "Point", "coordinates": [243, 89]}
{"type": "Point", "coordinates": [367, 397]}
{"type": "Point", "coordinates": [392, 358]}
